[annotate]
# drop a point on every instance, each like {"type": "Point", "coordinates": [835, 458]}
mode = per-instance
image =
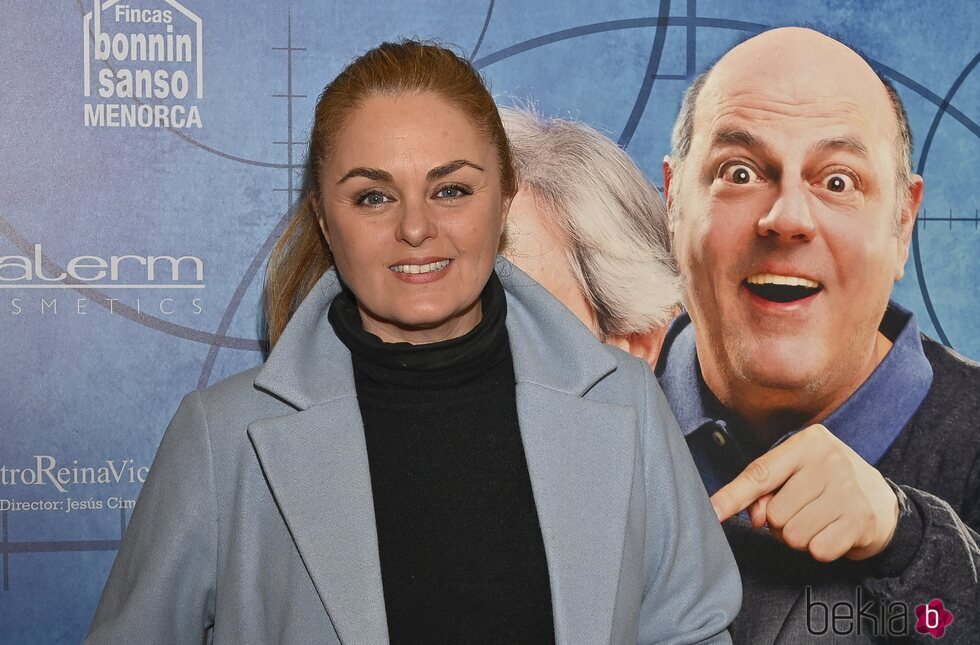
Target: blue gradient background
{"type": "Point", "coordinates": [96, 387]}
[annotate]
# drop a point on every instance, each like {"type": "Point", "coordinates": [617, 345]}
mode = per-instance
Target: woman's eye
{"type": "Point", "coordinates": [452, 192]}
{"type": "Point", "coordinates": [739, 173]}
{"type": "Point", "coordinates": [838, 183]}
{"type": "Point", "coordinates": [373, 198]}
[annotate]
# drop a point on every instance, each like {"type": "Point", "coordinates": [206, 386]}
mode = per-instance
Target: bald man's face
{"type": "Point", "coordinates": [787, 235]}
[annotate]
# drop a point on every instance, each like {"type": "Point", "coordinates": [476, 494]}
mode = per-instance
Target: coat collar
{"type": "Point", "coordinates": [551, 347]}
{"type": "Point", "coordinates": [581, 455]}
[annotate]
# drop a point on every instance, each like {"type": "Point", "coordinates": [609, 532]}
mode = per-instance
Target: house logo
{"type": "Point", "coordinates": [144, 64]}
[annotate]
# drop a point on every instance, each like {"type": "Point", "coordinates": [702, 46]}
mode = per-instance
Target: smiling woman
{"type": "Point", "coordinates": [435, 451]}
{"type": "Point", "coordinates": [414, 237]}
{"type": "Point", "coordinates": [376, 127]}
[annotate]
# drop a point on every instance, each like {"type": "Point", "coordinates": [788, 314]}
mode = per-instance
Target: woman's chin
{"type": "Point", "coordinates": [424, 326]}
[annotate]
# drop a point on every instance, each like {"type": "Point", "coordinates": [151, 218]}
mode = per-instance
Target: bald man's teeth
{"type": "Point", "coordinates": [781, 288]}
{"type": "Point", "coordinates": [420, 268]}
{"type": "Point", "coordinates": [771, 278]}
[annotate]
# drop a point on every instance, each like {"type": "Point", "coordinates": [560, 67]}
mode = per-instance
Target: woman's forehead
{"type": "Point", "coordinates": [408, 131]}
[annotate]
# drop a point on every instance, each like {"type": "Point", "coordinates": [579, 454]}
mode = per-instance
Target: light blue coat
{"type": "Point", "coordinates": [256, 524]}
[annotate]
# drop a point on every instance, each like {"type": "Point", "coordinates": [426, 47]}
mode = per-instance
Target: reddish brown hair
{"type": "Point", "coordinates": [301, 255]}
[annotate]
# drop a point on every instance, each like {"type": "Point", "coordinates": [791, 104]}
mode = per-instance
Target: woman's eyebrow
{"type": "Point", "coordinates": [451, 167]}
{"type": "Point", "coordinates": [374, 174]}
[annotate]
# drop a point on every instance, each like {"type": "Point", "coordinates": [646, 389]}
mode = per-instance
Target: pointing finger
{"type": "Point", "coordinates": [764, 475]}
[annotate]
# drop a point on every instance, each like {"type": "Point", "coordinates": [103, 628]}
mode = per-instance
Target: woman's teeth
{"type": "Point", "coordinates": [420, 268]}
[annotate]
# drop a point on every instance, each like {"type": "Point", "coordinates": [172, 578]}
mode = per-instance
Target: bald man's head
{"type": "Point", "coordinates": [794, 210]}
{"type": "Point", "coordinates": [797, 54]}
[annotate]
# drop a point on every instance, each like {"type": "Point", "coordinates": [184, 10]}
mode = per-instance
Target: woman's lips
{"type": "Point", "coordinates": [421, 270]}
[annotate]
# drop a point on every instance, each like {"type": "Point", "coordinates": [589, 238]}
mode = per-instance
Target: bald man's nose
{"type": "Point", "coordinates": [789, 218]}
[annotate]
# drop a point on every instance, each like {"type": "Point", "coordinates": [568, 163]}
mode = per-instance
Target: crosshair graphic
{"type": "Point", "coordinates": [291, 191]}
{"type": "Point", "coordinates": [53, 546]}
{"type": "Point", "coordinates": [924, 217]}
{"type": "Point", "coordinates": [661, 23]}
{"type": "Point", "coordinates": [216, 341]}
{"type": "Point", "coordinates": [690, 22]}
{"type": "Point", "coordinates": [920, 169]}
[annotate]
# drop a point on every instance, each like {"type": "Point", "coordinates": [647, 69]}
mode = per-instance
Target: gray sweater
{"type": "Point", "coordinates": [934, 468]}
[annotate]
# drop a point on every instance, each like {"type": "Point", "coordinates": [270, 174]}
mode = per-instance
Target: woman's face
{"type": "Point", "coordinates": [411, 205]}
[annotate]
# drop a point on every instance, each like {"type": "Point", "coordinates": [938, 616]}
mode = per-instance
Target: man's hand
{"type": "Point", "coordinates": [816, 495]}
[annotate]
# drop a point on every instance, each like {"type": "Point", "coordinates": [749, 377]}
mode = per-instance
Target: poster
{"type": "Point", "coordinates": [144, 222]}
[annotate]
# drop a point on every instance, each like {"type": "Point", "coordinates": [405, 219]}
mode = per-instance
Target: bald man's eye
{"type": "Point", "coordinates": [838, 183]}
{"type": "Point", "coordinates": [739, 173]}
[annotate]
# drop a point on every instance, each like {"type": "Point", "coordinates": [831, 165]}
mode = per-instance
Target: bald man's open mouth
{"type": "Point", "coordinates": [781, 288]}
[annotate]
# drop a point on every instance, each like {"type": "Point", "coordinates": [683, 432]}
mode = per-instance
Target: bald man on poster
{"type": "Point", "coordinates": [793, 205]}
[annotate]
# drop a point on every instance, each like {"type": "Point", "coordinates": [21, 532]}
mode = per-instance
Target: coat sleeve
{"type": "Point", "coordinates": [934, 554]}
{"type": "Point", "coordinates": [692, 589]}
{"type": "Point", "coordinates": [161, 587]}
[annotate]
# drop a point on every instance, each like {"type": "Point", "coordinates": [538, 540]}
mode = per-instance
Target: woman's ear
{"type": "Point", "coordinates": [314, 203]}
{"type": "Point", "coordinates": [505, 208]}
{"type": "Point", "coordinates": [504, 218]}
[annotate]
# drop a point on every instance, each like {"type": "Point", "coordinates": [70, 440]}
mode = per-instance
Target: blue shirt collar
{"type": "Point", "coordinates": [869, 421]}
{"type": "Point", "coordinates": [679, 374]}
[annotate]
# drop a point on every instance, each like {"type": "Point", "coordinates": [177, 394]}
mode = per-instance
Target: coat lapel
{"type": "Point", "coordinates": [317, 467]}
{"type": "Point", "coordinates": [316, 463]}
{"type": "Point", "coordinates": [580, 454]}
{"type": "Point", "coordinates": [581, 459]}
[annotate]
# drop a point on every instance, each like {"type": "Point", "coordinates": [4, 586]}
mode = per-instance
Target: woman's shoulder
{"type": "Point", "coordinates": [227, 407]}
{"type": "Point", "coordinates": [632, 376]}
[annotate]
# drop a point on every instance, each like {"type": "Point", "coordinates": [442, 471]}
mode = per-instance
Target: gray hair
{"type": "Point", "coordinates": [614, 219]}
{"type": "Point", "coordinates": [684, 131]}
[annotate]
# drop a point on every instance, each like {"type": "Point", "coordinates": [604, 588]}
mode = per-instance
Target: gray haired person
{"type": "Point", "coordinates": [590, 228]}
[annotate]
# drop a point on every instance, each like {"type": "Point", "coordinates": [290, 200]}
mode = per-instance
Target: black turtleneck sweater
{"type": "Point", "coordinates": [462, 559]}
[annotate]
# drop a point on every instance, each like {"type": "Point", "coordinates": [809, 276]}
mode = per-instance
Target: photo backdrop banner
{"type": "Point", "coordinates": [135, 221]}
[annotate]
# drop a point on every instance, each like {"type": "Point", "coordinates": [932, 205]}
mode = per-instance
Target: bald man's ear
{"type": "Point", "coordinates": [906, 224]}
{"type": "Point", "coordinates": [668, 177]}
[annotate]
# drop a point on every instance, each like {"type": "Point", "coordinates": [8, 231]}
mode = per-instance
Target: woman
{"type": "Point", "coordinates": [431, 453]}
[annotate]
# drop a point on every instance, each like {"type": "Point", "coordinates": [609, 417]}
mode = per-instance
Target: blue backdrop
{"type": "Point", "coordinates": [150, 151]}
